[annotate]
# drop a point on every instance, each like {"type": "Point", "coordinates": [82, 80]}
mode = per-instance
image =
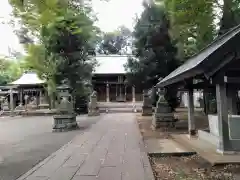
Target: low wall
{"type": "Point", "coordinates": [208, 137]}
{"type": "Point", "coordinates": [232, 142]}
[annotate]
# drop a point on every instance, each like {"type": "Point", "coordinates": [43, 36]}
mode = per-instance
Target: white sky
{"type": "Point", "coordinates": [110, 14]}
{"type": "Point", "coordinates": [116, 12]}
{"type": "Point", "coordinates": [7, 37]}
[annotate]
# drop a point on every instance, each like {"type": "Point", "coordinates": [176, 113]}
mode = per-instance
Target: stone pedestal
{"type": "Point", "coordinates": [147, 110]}
{"type": "Point", "coordinates": [94, 113]}
{"type": "Point", "coordinates": [64, 122]}
{"type": "Point", "coordinates": [66, 117]}
{"type": "Point", "coordinates": [93, 109]}
{"type": "Point", "coordinates": [163, 115]}
{"type": "Point", "coordinates": [147, 105]}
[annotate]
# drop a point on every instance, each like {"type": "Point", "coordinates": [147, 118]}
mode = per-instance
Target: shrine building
{"type": "Point", "coordinates": [110, 82]}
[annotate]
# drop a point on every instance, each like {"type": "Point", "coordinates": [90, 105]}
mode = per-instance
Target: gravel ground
{"type": "Point", "coordinates": [191, 168]}
{"type": "Point", "coordinates": [185, 167]}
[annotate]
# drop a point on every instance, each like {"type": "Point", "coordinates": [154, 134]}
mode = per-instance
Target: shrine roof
{"type": "Point", "coordinates": [110, 64]}
{"type": "Point", "coordinates": [197, 64]}
{"type": "Point", "coordinates": [28, 78]}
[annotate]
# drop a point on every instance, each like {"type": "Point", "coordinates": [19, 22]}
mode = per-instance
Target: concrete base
{"type": "Point", "coordinates": [163, 120]}
{"type": "Point", "coordinates": [147, 111]}
{"type": "Point", "coordinates": [206, 150]}
{"type": "Point", "coordinates": [213, 140]}
{"type": "Point", "coordinates": [165, 147]}
{"type": "Point", "coordinates": [43, 106]}
{"type": "Point", "coordinates": [228, 152]}
{"type": "Point", "coordinates": [32, 107]}
{"type": "Point", "coordinates": [64, 122]}
{"type": "Point", "coordinates": [94, 113]}
{"type": "Point", "coordinates": [208, 137]}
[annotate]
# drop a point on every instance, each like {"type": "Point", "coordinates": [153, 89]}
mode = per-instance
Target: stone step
{"type": "Point", "coordinates": [119, 110]}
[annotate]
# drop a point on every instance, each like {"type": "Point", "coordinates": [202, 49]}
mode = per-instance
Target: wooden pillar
{"type": "Point", "coordinates": [120, 91]}
{"type": "Point", "coordinates": [107, 93]}
{"type": "Point", "coordinates": [116, 91]}
{"type": "Point", "coordinates": [191, 120]}
{"type": "Point", "coordinates": [206, 100]}
{"type": "Point", "coordinates": [21, 96]}
{"type": "Point", "coordinates": [11, 102]}
{"type": "Point", "coordinates": [125, 92]}
{"type": "Point", "coordinates": [133, 94]}
{"type": "Point", "coordinates": [40, 97]}
{"type": "Point", "coordinates": [222, 108]}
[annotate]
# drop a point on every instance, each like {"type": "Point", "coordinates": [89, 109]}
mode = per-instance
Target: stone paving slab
{"type": "Point", "coordinates": [206, 150]}
{"type": "Point", "coordinates": [165, 146]}
{"type": "Point", "coordinates": [112, 149]}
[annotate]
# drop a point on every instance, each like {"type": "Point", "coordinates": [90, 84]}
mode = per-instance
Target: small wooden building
{"type": "Point", "coordinates": [29, 84]}
{"type": "Point", "coordinates": [216, 67]}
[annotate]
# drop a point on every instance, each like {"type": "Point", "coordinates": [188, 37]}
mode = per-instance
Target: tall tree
{"type": "Point", "coordinates": [155, 52]}
{"type": "Point", "coordinates": [192, 24]}
{"type": "Point", "coordinates": [57, 36]}
{"type": "Point", "coordinates": [230, 14]}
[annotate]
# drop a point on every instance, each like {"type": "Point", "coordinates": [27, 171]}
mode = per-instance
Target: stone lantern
{"type": "Point", "coordinates": [163, 115]}
{"type": "Point", "coordinates": [66, 117]}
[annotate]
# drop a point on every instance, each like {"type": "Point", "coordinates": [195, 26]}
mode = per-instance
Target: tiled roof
{"type": "Point", "coordinates": [199, 58]}
{"type": "Point", "coordinates": [112, 64]}
{"type": "Point", "coordinates": [28, 78]}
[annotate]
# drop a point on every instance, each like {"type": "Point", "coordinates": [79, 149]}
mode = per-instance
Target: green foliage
{"type": "Point", "coordinates": [44, 66]}
{"type": "Point", "coordinates": [192, 24]}
{"type": "Point", "coordinates": [115, 42]}
{"type": "Point", "coordinates": [58, 36]}
{"type": "Point", "coordinates": [155, 52]}
{"type": "Point", "coordinates": [67, 40]}
{"type": "Point", "coordinates": [230, 15]}
{"type": "Point", "coordinates": [10, 70]}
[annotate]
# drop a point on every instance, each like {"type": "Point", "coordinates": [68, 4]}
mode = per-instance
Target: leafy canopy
{"type": "Point", "coordinates": [57, 36]}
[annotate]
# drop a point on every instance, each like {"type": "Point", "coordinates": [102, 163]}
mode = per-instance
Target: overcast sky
{"type": "Point", "coordinates": [111, 15]}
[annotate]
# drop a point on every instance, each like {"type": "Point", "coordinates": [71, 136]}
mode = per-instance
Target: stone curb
{"type": "Point", "coordinates": [147, 167]}
{"type": "Point", "coordinates": [170, 154]}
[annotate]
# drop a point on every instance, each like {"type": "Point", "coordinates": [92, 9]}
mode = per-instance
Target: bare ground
{"type": "Point", "coordinates": [184, 167]}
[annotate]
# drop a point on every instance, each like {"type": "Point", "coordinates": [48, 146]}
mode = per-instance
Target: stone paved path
{"type": "Point", "coordinates": [111, 150]}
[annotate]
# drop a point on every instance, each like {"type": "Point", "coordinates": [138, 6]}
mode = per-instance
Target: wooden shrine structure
{"type": "Point", "coordinates": [110, 82]}
{"type": "Point", "coordinates": [27, 91]}
{"type": "Point", "coordinates": [215, 67]}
